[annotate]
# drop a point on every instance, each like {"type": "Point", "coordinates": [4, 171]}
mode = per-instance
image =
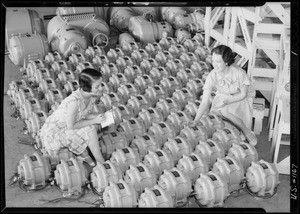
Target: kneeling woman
{"type": "Point", "coordinates": [73, 124]}
{"type": "Point", "coordinates": [234, 92]}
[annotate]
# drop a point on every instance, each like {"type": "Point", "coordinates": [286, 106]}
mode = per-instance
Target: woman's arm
{"type": "Point", "coordinates": [203, 106]}
{"type": "Point", "coordinates": [238, 96]}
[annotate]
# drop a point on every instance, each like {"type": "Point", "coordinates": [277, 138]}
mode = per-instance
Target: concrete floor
{"type": "Point", "coordinates": [14, 152]}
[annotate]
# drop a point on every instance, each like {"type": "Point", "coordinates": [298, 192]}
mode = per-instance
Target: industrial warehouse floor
{"type": "Point", "coordinates": [14, 151]}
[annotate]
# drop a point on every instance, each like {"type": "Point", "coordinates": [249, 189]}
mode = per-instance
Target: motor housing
{"type": "Point", "coordinates": [124, 158]}
{"type": "Point", "coordinates": [155, 197]}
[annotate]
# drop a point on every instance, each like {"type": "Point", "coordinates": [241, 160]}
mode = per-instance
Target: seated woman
{"type": "Point", "coordinates": [234, 92]}
{"type": "Point", "coordinates": [73, 124]}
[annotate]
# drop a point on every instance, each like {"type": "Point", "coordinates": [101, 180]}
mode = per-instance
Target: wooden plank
{"type": "Point", "coordinates": [263, 72]}
{"type": "Point", "coordinates": [244, 29]}
{"type": "Point", "coordinates": [216, 17]}
{"type": "Point", "coordinates": [207, 27]}
{"type": "Point", "coordinates": [262, 84]}
{"type": "Point", "coordinates": [273, 55]}
{"type": "Point", "coordinates": [263, 42]}
{"type": "Point", "coordinates": [226, 25]}
{"type": "Point", "coordinates": [280, 12]}
{"type": "Point", "coordinates": [269, 28]}
{"type": "Point", "coordinates": [249, 13]}
{"type": "Point", "coordinates": [232, 31]}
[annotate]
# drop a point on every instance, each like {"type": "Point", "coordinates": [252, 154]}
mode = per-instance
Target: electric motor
{"type": "Point", "coordinates": [75, 59]}
{"type": "Point", "coordinates": [170, 84]}
{"type": "Point", "coordinates": [150, 116]}
{"type": "Point", "coordinates": [108, 70]}
{"type": "Point", "coordinates": [70, 175]}
{"type": "Point", "coordinates": [111, 141]}
{"type": "Point", "coordinates": [148, 64]}
{"type": "Point", "coordinates": [194, 135]}
{"type": "Point", "coordinates": [138, 103]}
{"type": "Point", "coordinates": [131, 72]}
{"type": "Point", "coordinates": [183, 20]}
{"type": "Point", "coordinates": [103, 173]}
{"type": "Point", "coordinates": [149, 13]}
{"type": "Point", "coordinates": [119, 194]}
{"type": "Point", "coordinates": [182, 35]}
{"type": "Point", "coordinates": [196, 87]}
{"type": "Point", "coordinates": [35, 121]}
{"type": "Point", "coordinates": [100, 11]}
{"type": "Point", "coordinates": [188, 58]}
{"type": "Point", "coordinates": [121, 112]}
{"type": "Point", "coordinates": [178, 119]}
{"type": "Point", "coordinates": [83, 65]}
{"type": "Point", "coordinates": [243, 152]}
{"type": "Point", "coordinates": [128, 90]}
{"type": "Point", "coordinates": [47, 84]}
{"type": "Point", "coordinates": [66, 75]}
{"type": "Point", "coordinates": [116, 80]}
{"type": "Point", "coordinates": [148, 32]}
{"type": "Point", "coordinates": [114, 53]}
{"type": "Point", "coordinates": [176, 147]}
{"type": "Point", "coordinates": [123, 62]}
{"type": "Point", "coordinates": [227, 137]}
{"type": "Point", "coordinates": [99, 60]}
{"type": "Point", "coordinates": [124, 158]}
{"type": "Point", "coordinates": [199, 67]}
{"type": "Point", "coordinates": [203, 53]}
{"type": "Point", "coordinates": [124, 41]}
{"type": "Point", "coordinates": [55, 156]}
{"type": "Point", "coordinates": [162, 131]}
{"type": "Point", "coordinates": [211, 150]}
{"type": "Point", "coordinates": [139, 55]}
{"type": "Point", "coordinates": [158, 160]}
{"type": "Point", "coordinates": [169, 13]}
{"type": "Point", "coordinates": [153, 48]}
{"type": "Point", "coordinates": [52, 57]}
{"type": "Point", "coordinates": [177, 49]}
{"type": "Point", "coordinates": [120, 16]}
{"type": "Point", "coordinates": [143, 144]}
{"type": "Point", "coordinates": [154, 93]}
{"type": "Point", "coordinates": [162, 57]}
{"type": "Point", "coordinates": [192, 44]}
{"type": "Point", "coordinates": [155, 197]}
{"type": "Point", "coordinates": [40, 74]}
{"type": "Point", "coordinates": [191, 108]}
{"type": "Point", "coordinates": [59, 65]}
{"type": "Point", "coordinates": [132, 128]}
{"type": "Point", "coordinates": [211, 190]}
{"type": "Point", "coordinates": [143, 82]}
{"type": "Point", "coordinates": [200, 38]}
{"type": "Point", "coordinates": [22, 95]}
{"type": "Point", "coordinates": [158, 73]}
{"type": "Point", "coordinates": [30, 105]}
{"type": "Point", "coordinates": [262, 178]}
{"type": "Point", "coordinates": [14, 87]}
{"type": "Point", "coordinates": [33, 66]}
{"type": "Point", "coordinates": [177, 184]}
{"type": "Point", "coordinates": [192, 165]}
{"type": "Point", "coordinates": [70, 86]}
{"type": "Point", "coordinates": [207, 122]}
{"type": "Point", "coordinates": [93, 51]}
{"type": "Point", "coordinates": [182, 96]}
{"type": "Point", "coordinates": [231, 170]}
{"type": "Point", "coordinates": [167, 42]}
{"type": "Point", "coordinates": [166, 106]}
{"type": "Point", "coordinates": [25, 47]}
{"type": "Point", "coordinates": [185, 76]}
{"type": "Point", "coordinates": [173, 66]}
{"type": "Point", "coordinates": [111, 99]}
{"type": "Point", "coordinates": [140, 177]}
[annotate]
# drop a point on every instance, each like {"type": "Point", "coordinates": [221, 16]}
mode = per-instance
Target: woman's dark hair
{"type": "Point", "coordinates": [227, 54]}
{"type": "Point", "coordinates": [87, 77]}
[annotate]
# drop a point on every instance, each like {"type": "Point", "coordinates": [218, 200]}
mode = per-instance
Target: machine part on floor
{"type": "Point", "coordinates": [128, 90]}
{"type": "Point", "coordinates": [153, 48]}
{"type": "Point", "coordinates": [138, 103]}
{"type": "Point", "coordinates": [70, 86]}
{"type": "Point", "coordinates": [111, 141]}
{"type": "Point", "coordinates": [33, 66]}
{"type": "Point", "coordinates": [148, 64]}
{"type": "Point", "coordinates": [123, 62]}
{"type": "Point", "coordinates": [192, 44]}
{"type": "Point", "coordinates": [155, 197]}
{"type": "Point", "coordinates": [194, 135]}
{"type": "Point", "coordinates": [30, 105]}
{"type": "Point", "coordinates": [262, 179]}
{"type": "Point", "coordinates": [56, 156]}
{"type": "Point", "coordinates": [83, 65]}
{"type": "Point", "coordinates": [73, 33]}
{"type": "Point", "coordinates": [195, 86]}
{"type": "Point", "coordinates": [154, 93]}
{"type": "Point", "coordinates": [167, 42]}
{"type": "Point", "coordinates": [93, 51]}
{"type": "Point", "coordinates": [227, 137]}
{"type": "Point", "coordinates": [211, 150]}
{"type": "Point", "coordinates": [54, 95]}
{"type": "Point", "coordinates": [110, 100]}
{"type": "Point", "coordinates": [75, 59]}
{"type": "Point", "coordinates": [192, 165]}
{"type": "Point", "coordinates": [47, 84]}
{"type": "Point", "coordinates": [65, 76]}
{"type": "Point", "coordinates": [178, 120]}
{"type": "Point", "coordinates": [196, 27]}
{"type": "Point", "coordinates": [124, 158]}
{"type": "Point", "coordinates": [143, 82]}
{"type": "Point", "coordinates": [40, 74]}
{"type": "Point", "coordinates": [217, 120]}
{"type": "Point", "coordinates": [100, 60]}
{"type": "Point", "coordinates": [108, 70]}
{"type": "Point", "coordinates": [22, 95]}
{"type": "Point", "coordinates": [177, 49]}
{"type": "Point", "coordinates": [139, 55]}
{"type": "Point", "coordinates": [211, 190]}
{"type": "Point", "coordinates": [60, 65]}
{"type": "Point", "coordinates": [150, 116]}
{"type": "Point", "coordinates": [119, 194]}
{"type": "Point", "coordinates": [71, 176]}
{"type": "Point", "coordinates": [176, 148]}
{"type": "Point", "coordinates": [132, 128]}
{"type": "Point", "coordinates": [177, 183]}
{"type": "Point", "coordinates": [131, 72]}
{"type": "Point", "coordinates": [159, 73]}
{"type": "Point", "coordinates": [183, 20]}
{"type": "Point", "coordinates": [158, 160]}
{"type": "Point", "coordinates": [124, 40]}
{"type": "Point", "coordinates": [119, 17]}
{"type": "Point", "coordinates": [52, 57]}
{"type": "Point", "coordinates": [243, 152]}
{"type": "Point", "coordinates": [121, 112]}
{"type": "Point", "coordinates": [14, 87]}
{"type": "Point", "coordinates": [182, 97]}
{"type": "Point", "coordinates": [30, 23]}
{"type": "Point", "coordinates": [204, 54]}
{"type": "Point", "coordinates": [100, 11]}
{"type": "Point", "coordinates": [169, 13]}
{"type": "Point", "coordinates": [162, 57]}
{"type": "Point", "coordinates": [25, 47]}
{"type": "Point", "coordinates": [191, 108]}
{"type": "Point", "coordinates": [149, 13]}
{"type": "Point", "coordinates": [103, 173]}
{"type": "Point", "coordinates": [170, 84]}
{"type": "Point", "coordinates": [166, 106]}
{"type": "Point", "coordinates": [116, 80]}
{"type": "Point", "coordinates": [114, 53]}
{"type": "Point", "coordinates": [231, 170]}
{"type": "Point", "coordinates": [173, 66]}
{"type": "Point", "coordinates": [35, 121]}
{"type": "Point", "coordinates": [199, 37]}
{"type": "Point", "coordinates": [199, 68]}
{"type": "Point", "coordinates": [140, 177]}
{"type": "Point", "coordinates": [188, 58]}
{"type": "Point", "coordinates": [143, 144]}
{"type": "Point", "coordinates": [182, 35]}
{"type": "Point", "coordinates": [161, 132]}
{"type": "Point", "coordinates": [207, 122]}
{"type": "Point", "coordinates": [149, 32]}
{"type": "Point", "coordinates": [34, 171]}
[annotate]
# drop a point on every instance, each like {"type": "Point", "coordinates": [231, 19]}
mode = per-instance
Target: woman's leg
{"type": "Point", "coordinates": [95, 147]}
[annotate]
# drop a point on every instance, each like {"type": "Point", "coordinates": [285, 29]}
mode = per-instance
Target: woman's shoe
{"type": "Point", "coordinates": [88, 160]}
{"type": "Point", "coordinates": [251, 138]}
